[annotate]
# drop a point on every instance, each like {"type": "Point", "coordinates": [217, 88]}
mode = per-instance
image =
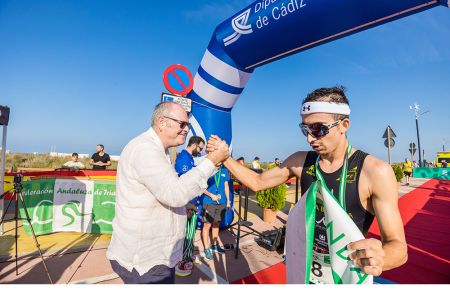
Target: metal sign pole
{"type": "Point", "coordinates": [389, 144]}
{"type": "Point", "coordinates": [2, 173]}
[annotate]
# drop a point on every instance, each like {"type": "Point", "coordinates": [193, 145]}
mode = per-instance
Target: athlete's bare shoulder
{"type": "Point", "coordinates": [375, 166]}
{"type": "Point", "coordinates": [379, 175]}
{"type": "Point", "coordinates": [295, 162]}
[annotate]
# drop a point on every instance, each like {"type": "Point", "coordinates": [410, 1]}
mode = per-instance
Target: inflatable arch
{"type": "Point", "coordinates": [268, 30]}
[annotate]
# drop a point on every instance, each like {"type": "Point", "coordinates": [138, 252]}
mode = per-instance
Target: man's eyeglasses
{"type": "Point", "coordinates": [317, 130]}
{"type": "Point", "coordinates": [182, 124]}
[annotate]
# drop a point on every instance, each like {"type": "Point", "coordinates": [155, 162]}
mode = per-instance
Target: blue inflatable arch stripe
{"type": "Point", "coordinates": [268, 30]}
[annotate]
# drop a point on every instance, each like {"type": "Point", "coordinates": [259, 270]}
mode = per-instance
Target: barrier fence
{"type": "Point", "coordinates": [435, 173]}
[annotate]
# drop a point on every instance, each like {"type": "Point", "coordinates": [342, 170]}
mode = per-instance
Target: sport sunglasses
{"type": "Point", "coordinates": [317, 130]}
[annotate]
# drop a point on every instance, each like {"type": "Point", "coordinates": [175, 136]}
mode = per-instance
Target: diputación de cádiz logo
{"type": "Point", "coordinates": [240, 26]}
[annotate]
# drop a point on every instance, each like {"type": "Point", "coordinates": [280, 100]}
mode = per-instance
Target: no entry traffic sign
{"type": "Point", "coordinates": [178, 71]}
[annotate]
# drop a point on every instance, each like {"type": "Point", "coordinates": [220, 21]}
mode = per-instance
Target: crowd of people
{"type": "Point", "coordinates": [156, 202]}
{"type": "Point", "coordinates": [431, 164]}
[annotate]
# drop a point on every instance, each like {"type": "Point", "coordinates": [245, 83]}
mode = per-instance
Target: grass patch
{"type": "Point", "coordinates": [28, 160]}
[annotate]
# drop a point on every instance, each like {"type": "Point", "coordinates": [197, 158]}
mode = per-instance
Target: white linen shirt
{"type": "Point", "coordinates": [150, 214]}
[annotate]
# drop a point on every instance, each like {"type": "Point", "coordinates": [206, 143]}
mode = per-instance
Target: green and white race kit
{"type": "Point", "coordinates": [324, 260]}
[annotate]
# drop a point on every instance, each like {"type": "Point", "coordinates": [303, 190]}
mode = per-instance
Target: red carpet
{"type": "Point", "coordinates": [275, 274]}
{"type": "Point", "coordinates": [426, 217]}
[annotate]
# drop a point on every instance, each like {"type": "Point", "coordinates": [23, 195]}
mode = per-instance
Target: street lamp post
{"type": "Point", "coordinates": [416, 110]}
{"type": "Point", "coordinates": [418, 141]}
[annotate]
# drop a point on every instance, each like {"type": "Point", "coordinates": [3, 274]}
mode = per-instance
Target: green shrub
{"type": "Point", "coordinates": [273, 198]}
{"type": "Point", "coordinates": [398, 172]}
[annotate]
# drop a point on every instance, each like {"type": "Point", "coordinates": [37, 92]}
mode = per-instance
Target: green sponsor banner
{"type": "Point", "coordinates": [103, 209]}
{"type": "Point", "coordinates": [436, 173]}
{"type": "Point", "coordinates": [72, 205]}
{"type": "Point", "coordinates": [38, 197]}
{"type": "Point", "coordinates": [56, 205]}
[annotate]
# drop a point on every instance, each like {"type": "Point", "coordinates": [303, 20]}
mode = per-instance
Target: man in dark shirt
{"type": "Point", "coordinates": [100, 160]}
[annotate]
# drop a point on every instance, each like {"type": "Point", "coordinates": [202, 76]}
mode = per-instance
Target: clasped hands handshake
{"type": "Point", "coordinates": [217, 150]}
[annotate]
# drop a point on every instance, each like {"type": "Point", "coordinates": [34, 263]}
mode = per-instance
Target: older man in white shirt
{"type": "Point", "coordinates": [150, 218]}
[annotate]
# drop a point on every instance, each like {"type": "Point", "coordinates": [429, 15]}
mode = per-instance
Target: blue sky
{"type": "Point", "coordinates": [79, 73]}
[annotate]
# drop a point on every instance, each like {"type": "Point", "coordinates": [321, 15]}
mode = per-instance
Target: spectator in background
{"type": "Point", "coordinates": [255, 164]}
{"type": "Point", "coordinates": [444, 164]}
{"type": "Point", "coordinates": [275, 163]}
{"type": "Point", "coordinates": [74, 164]}
{"type": "Point", "coordinates": [407, 168]}
{"type": "Point", "coordinates": [216, 202]}
{"type": "Point", "coordinates": [237, 185]}
{"type": "Point", "coordinates": [100, 159]}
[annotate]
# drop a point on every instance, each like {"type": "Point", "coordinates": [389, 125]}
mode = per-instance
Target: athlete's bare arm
{"type": "Point", "coordinates": [391, 252]}
{"type": "Point", "coordinates": [270, 178]}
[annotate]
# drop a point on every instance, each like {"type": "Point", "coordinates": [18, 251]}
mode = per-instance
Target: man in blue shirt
{"type": "Point", "coordinates": [183, 163]}
{"type": "Point", "coordinates": [216, 201]}
{"type": "Point", "coordinates": [185, 160]}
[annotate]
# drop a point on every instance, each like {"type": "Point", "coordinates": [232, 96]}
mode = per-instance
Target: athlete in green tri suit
{"type": "Point", "coordinates": [325, 122]}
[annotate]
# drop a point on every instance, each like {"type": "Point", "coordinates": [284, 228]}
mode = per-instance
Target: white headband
{"type": "Point", "coordinates": [324, 107]}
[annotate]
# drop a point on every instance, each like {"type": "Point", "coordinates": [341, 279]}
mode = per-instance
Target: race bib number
{"type": "Point", "coordinates": [321, 269]}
